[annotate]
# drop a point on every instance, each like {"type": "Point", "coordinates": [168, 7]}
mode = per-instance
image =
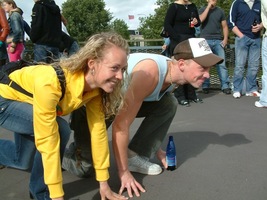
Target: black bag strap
{"type": "Point", "coordinates": [4, 78]}
{"type": "Point", "coordinates": [17, 87]}
{"type": "Point", "coordinates": [62, 80]}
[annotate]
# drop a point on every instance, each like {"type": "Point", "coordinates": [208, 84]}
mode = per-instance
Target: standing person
{"type": "Point", "coordinates": [16, 35]}
{"type": "Point", "coordinates": [180, 20]}
{"type": "Point", "coordinates": [4, 31]}
{"type": "Point", "coordinates": [27, 30]}
{"type": "Point", "coordinates": [245, 22]}
{"type": "Point", "coordinates": [64, 23]}
{"type": "Point", "coordinates": [94, 78]}
{"type": "Point", "coordinates": [149, 96]}
{"type": "Point", "coordinates": [68, 45]}
{"type": "Point", "coordinates": [215, 30]}
{"type": "Point", "coordinates": [166, 47]}
{"type": "Point", "coordinates": [46, 30]}
{"type": "Point", "coordinates": [26, 26]}
{"type": "Point", "coordinates": [262, 103]}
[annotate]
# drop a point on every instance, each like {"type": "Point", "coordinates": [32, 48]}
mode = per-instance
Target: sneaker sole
{"type": "Point", "coordinates": [259, 106]}
{"type": "Point", "coordinates": [252, 95]}
{"type": "Point", "coordinates": [142, 171]}
{"type": "Point", "coordinates": [236, 97]}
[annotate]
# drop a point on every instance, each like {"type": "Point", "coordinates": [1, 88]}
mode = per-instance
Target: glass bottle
{"type": "Point", "coordinates": [171, 154]}
{"type": "Point", "coordinates": [191, 24]}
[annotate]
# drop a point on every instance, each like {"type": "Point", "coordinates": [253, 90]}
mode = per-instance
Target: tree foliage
{"type": "Point", "coordinates": [86, 17]}
{"type": "Point", "coordinates": [120, 27]}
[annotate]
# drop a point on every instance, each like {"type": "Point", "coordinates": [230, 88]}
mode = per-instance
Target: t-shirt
{"type": "Point", "coordinates": [211, 27]}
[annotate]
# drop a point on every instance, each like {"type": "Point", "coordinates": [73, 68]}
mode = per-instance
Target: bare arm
{"type": "Point", "coordinates": [143, 81]}
{"type": "Point", "coordinates": [205, 13]}
{"type": "Point", "coordinates": [225, 32]}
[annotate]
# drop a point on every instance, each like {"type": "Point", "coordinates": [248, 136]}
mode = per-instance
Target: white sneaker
{"type": "Point", "coordinates": [253, 94]}
{"type": "Point", "coordinates": [259, 105]}
{"type": "Point", "coordinates": [236, 95]}
{"type": "Point", "coordinates": [142, 165]}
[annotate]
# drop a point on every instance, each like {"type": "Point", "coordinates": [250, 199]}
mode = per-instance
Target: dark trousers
{"type": "Point", "coordinates": [185, 92]}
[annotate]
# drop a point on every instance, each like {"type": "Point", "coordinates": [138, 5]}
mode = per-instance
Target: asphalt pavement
{"type": "Point", "coordinates": [221, 147]}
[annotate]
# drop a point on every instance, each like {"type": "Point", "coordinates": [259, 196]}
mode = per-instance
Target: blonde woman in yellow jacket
{"type": "Point", "coordinates": [94, 78]}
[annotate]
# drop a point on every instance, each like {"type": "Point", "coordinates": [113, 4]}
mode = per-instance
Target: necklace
{"type": "Point", "coordinates": [186, 6]}
{"type": "Point", "coordinates": [170, 74]}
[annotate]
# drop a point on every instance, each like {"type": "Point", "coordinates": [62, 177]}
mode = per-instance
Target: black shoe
{"type": "Point", "coordinates": [197, 100]}
{"type": "Point", "coordinates": [206, 90]}
{"type": "Point", "coordinates": [183, 102]}
{"type": "Point", "coordinates": [227, 91]}
{"type": "Point", "coordinates": [31, 196]}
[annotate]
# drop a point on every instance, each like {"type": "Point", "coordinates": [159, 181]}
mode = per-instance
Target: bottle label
{"type": "Point", "coordinates": [171, 160]}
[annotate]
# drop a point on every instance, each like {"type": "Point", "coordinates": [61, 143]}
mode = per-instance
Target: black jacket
{"type": "Point", "coordinates": [66, 42]}
{"type": "Point", "coordinates": [46, 23]}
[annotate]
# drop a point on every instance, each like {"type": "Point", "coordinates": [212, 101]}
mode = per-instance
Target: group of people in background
{"type": "Point", "coordinates": [244, 21]}
{"type": "Point", "coordinates": [105, 84]}
{"type": "Point", "coordinates": [49, 35]}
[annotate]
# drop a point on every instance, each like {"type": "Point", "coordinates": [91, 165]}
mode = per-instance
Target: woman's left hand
{"type": "Point", "coordinates": [194, 21]}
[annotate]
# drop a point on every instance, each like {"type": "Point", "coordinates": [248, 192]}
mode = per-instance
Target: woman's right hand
{"type": "Point", "coordinates": [107, 193]}
{"type": "Point", "coordinates": [11, 49]}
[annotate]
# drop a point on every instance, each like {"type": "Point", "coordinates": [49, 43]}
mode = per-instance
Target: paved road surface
{"type": "Point", "coordinates": [221, 149]}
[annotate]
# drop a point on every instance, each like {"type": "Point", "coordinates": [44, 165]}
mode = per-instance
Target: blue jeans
{"type": "Point", "coordinates": [221, 68]}
{"type": "Point", "coordinates": [21, 153]}
{"type": "Point", "coordinates": [44, 53]}
{"type": "Point", "coordinates": [74, 48]}
{"type": "Point", "coordinates": [263, 97]}
{"type": "Point", "coordinates": [246, 49]}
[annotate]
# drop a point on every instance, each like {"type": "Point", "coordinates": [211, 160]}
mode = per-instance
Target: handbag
{"type": "Point", "coordinates": [164, 33]}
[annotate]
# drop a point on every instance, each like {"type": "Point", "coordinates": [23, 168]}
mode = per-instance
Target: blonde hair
{"type": "Point", "coordinates": [95, 48]}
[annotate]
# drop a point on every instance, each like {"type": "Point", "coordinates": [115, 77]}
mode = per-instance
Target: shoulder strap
{"type": "Point", "coordinates": [4, 78]}
{"type": "Point", "coordinates": [62, 80]}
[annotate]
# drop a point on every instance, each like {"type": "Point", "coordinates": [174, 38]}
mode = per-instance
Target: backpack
{"type": "Point", "coordinates": [10, 67]}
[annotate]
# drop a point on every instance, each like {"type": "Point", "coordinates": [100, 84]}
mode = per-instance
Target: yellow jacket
{"type": "Point", "coordinates": [43, 83]}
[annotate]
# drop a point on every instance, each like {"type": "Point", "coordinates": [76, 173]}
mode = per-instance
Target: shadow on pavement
{"type": "Point", "coordinates": [191, 144]}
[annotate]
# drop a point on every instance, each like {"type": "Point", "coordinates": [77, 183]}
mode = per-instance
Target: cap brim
{"type": "Point", "coordinates": [208, 60]}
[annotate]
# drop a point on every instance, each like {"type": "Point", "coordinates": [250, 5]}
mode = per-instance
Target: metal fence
{"type": "Point", "coordinates": [214, 79]}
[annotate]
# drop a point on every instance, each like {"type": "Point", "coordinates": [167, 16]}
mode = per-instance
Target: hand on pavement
{"type": "Point", "coordinates": [129, 183]}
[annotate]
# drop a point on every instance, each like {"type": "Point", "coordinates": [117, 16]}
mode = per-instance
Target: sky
{"type": "Point", "coordinates": [120, 9]}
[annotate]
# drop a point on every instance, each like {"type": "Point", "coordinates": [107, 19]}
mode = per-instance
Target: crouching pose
{"type": "Point", "coordinates": [93, 79]}
{"type": "Point", "coordinates": [152, 78]}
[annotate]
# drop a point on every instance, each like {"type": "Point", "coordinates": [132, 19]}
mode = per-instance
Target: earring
{"type": "Point", "coordinates": [92, 72]}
